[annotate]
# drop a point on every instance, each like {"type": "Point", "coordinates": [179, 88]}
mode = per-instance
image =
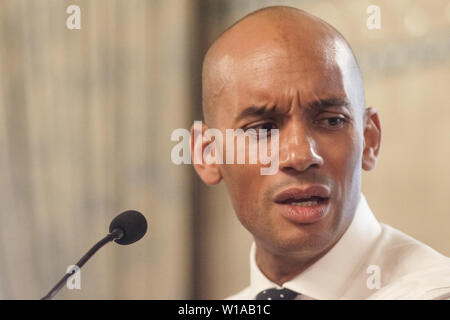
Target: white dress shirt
{"type": "Point", "coordinates": [370, 261]}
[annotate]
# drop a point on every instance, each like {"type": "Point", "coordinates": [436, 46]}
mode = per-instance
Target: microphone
{"type": "Point", "coordinates": [126, 228]}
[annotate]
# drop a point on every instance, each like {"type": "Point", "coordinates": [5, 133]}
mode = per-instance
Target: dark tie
{"type": "Point", "coordinates": [277, 294]}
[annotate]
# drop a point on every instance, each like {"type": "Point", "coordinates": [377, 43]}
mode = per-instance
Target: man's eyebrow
{"type": "Point", "coordinates": [256, 111]}
{"type": "Point", "coordinates": [321, 104]}
{"type": "Point", "coordinates": [260, 111]}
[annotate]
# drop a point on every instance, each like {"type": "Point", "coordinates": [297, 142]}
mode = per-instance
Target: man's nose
{"type": "Point", "coordinates": [298, 150]}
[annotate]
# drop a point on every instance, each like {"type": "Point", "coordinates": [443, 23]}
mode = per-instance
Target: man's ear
{"type": "Point", "coordinates": [372, 139]}
{"type": "Point", "coordinates": [209, 173]}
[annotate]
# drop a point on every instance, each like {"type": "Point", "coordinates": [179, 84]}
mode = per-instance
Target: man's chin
{"type": "Point", "coordinates": [301, 239]}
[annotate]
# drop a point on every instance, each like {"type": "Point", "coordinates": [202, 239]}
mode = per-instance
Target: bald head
{"type": "Point", "coordinates": [281, 68]}
{"type": "Point", "coordinates": [272, 40]}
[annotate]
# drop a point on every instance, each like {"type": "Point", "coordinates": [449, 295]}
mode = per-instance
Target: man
{"type": "Point", "coordinates": [314, 234]}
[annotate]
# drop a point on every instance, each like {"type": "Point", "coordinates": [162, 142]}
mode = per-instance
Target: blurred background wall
{"type": "Point", "coordinates": [85, 123]}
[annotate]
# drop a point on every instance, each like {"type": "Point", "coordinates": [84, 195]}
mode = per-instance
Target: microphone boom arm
{"type": "Point", "coordinates": [114, 235]}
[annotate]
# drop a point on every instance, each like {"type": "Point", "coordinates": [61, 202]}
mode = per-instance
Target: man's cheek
{"type": "Point", "coordinates": [344, 154]}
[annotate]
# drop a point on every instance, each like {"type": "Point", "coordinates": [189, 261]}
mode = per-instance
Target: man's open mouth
{"type": "Point", "coordinates": [305, 202]}
{"type": "Point", "coordinates": [304, 197]}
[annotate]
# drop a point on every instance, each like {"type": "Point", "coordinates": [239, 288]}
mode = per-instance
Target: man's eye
{"type": "Point", "coordinates": [261, 130]}
{"type": "Point", "coordinates": [333, 122]}
{"type": "Point", "coordinates": [264, 126]}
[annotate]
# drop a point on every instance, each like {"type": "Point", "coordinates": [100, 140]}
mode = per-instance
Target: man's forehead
{"type": "Point", "coordinates": [272, 60]}
{"type": "Point", "coordinates": [262, 59]}
{"type": "Point", "coordinates": [269, 69]}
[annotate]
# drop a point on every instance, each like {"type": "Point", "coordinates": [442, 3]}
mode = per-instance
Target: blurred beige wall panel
{"type": "Point", "coordinates": [86, 118]}
{"type": "Point", "coordinates": [409, 189]}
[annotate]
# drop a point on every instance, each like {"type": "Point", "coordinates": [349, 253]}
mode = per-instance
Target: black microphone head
{"type": "Point", "coordinates": [132, 223]}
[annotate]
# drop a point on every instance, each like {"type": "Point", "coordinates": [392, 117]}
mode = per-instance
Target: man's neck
{"type": "Point", "coordinates": [281, 268]}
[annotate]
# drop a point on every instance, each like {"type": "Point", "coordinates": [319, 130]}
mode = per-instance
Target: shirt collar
{"type": "Point", "coordinates": [328, 277]}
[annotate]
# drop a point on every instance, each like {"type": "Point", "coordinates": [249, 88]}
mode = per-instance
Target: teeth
{"type": "Point", "coordinates": [305, 203]}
